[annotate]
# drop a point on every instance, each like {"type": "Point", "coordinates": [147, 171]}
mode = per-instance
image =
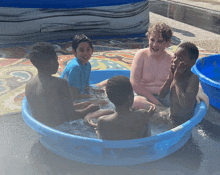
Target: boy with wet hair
{"type": "Point", "coordinates": [182, 83]}
{"type": "Point", "coordinates": [124, 123]}
{"type": "Point", "coordinates": [49, 97]}
{"type": "Point", "coordinates": [78, 70]}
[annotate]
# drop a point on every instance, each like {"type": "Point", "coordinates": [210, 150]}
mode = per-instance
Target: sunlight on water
{"type": "Point", "coordinates": [78, 128]}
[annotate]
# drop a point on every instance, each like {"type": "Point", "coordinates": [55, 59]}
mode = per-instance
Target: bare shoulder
{"type": "Point", "coordinates": [60, 83]}
{"type": "Point", "coordinates": [194, 77]}
{"type": "Point", "coordinates": [142, 53]}
{"type": "Point", "coordinates": [170, 55]}
{"type": "Point", "coordinates": [106, 118]}
{"type": "Point", "coordinates": [194, 80]}
{"type": "Point", "coordinates": [59, 80]}
{"type": "Point", "coordinates": [140, 114]}
{"type": "Point", "coordinates": [31, 85]}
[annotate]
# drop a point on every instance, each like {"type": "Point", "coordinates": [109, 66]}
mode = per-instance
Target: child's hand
{"type": "Point", "coordinates": [180, 70]}
{"type": "Point", "coordinates": [172, 70]}
{"type": "Point", "coordinates": [93, 108]}
{"type": "Point", "coordinates": [170, 76]}
{"type": "Point", "coordinates": [151, 110]}
{"type": "Point", "coordinates": [100, 102]}
{"type": "Point", "coordinates": [88, 120]}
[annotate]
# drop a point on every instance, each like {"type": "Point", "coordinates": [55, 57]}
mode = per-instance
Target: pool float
{"type": "Point", "coordinates": [208, 70]}
{"type": "Point", "coordinates": [113, 153]}
{"type": "Point", "coordinates": [31, 21]}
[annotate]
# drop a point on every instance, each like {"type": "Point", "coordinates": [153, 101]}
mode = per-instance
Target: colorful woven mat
{"type": "Point", "coordinates": [16, 69]}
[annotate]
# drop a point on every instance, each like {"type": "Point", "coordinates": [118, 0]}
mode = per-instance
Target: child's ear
{"type": "Point", "coordinates": [74, 52]}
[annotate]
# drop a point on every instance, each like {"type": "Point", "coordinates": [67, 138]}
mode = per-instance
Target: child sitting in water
{"type": "Point", "coordinates": [49, 97]}
{"type": "Point", "coordinates": [150, 69]}
{"type": "Point", "coordinates": [124, 123]}
{"type": "Point", "coordinates": [182, 83]}
{"type": "Point", "coordinates": [78, 70]}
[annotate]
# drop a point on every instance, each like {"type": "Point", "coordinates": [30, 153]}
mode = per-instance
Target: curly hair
{"type": "Point", "coordinates": [118, 89]}
{"type": "Point", "coordinates": [191, 48]}
{"type": "Point", "coordinates": [160, 28]}
{"type": "Point", "coordinates": [42, 53]}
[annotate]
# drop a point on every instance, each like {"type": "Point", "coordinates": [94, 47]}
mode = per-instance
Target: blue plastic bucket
{"type": "Point", "coordinates": [113, 153]}
{"type": "Point", "coordinates": [208, 70]}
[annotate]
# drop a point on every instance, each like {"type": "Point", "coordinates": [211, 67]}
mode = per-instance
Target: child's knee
{"type": "Point", "coordinates": [141, 103]}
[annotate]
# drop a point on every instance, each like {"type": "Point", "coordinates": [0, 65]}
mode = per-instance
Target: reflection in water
{"type": "Point", "coordinates": [198, 17]}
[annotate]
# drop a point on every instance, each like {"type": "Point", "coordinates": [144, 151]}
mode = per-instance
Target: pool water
{"type": "Point", "coordinates": [78, 127]}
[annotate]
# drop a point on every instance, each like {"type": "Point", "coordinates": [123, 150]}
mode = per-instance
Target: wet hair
{"type": "Point", "coordinates": [80, 38]}
{"type": "Point", "coordinates": [160, 28]}
{"type": "Point", "coordinates": [191, 48]}
{"type": "Point", "coordinates": [41, 53]}
{"type": "Point", "coordinates": [118, 89]}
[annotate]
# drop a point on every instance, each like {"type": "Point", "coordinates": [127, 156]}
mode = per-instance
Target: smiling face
{"type": "Point", "coordinates": [157, 44]}
{"type": "Point", "coordinates": [83, 52]}
{"type": "Point", "coordinates": [181, 55]}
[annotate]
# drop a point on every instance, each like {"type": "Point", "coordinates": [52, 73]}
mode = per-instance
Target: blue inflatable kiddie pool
{"type": "Point", "coordinates": [208, 70]}
{"type": "Point", "coordinates": [113, 153]}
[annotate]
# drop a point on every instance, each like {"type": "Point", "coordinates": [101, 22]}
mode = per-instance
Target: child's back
{"type": "Point", "coordinates": [45, 96]}
{"type": "Point", "coordinates": [124, 123]}
{"type": "Point", "coordinates": [49, 97]}
{"type": "Point", "coordinates": [130, 125]}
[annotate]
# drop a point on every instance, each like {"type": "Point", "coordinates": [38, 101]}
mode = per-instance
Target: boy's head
{"type": "Point", "coordinates": [187, 53]}
{"type": "Point", "coordinates": [119, 91]}
{"type": "Point", "coordinates": [192, 50]}
{"type": "Point", "coordinates": [160, 29]}
{"type": "Point", "coordinates": [159, 36]}
{"type": "Point", "coordinates": [82, 48]}
{"type": "Point", "coordinates": [79, 39]}
{"type": "Point", "coordinates": [44, 57]}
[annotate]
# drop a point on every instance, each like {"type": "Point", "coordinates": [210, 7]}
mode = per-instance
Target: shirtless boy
{"type": "Point", "coordinates": [49, 97]}
{"type": "Point", "coordinates": [151, 65]}
{"type": "Point", "coordinates": [182, 83]}
{"type": "Point", "coordinates": [150, 69]}
{"type": "Point", "coordinates": [124, 123]}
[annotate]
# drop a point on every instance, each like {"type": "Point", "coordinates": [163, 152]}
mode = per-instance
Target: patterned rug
{"type": "Point", "coordinates": [16, 69]}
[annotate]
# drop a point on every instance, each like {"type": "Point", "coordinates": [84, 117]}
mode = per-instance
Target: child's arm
{"type": "Point", "coordinates": [68, 103]}
{"type": "Point", "coordinates": [96, 115]}
{"type": "Point", "coordinates": [148, 114]}
{"type": "Point", "coordinates": [202, 96]}
{"type": "Point", "coordinates": [136, 77]}
{"type": "Point", "coordinates": [164, 90]}
{"type": "Point", "coordinates": [77, 95]}
{"type": "Point", "coordinates": [82, 105]}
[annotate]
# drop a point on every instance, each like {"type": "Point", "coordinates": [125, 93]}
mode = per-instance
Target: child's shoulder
{"type": "Point", "coordinates": [194, 77]}
{"type": "Point", "coordinates": [31, 83]}
{"type": "Point", "coordinates": [143, 51]}
{"type": "Point", "coordinates": [169, 55]}
{"type": "Point", "coordinates": [60, 81]}
{"type": "Point", "coordinates": [139, 114]}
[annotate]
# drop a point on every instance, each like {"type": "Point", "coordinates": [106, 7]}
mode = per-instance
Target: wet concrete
{"type": "Point", "coordinates": [203, 18]}
{"type": "Point", "coordinates": [22, 154]}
